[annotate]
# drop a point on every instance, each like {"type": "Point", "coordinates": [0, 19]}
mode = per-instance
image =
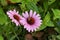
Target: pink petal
{"type": "Point", "coordinates": [24, 15]}
{"type": "Point", "coordinates": [11, 14]}
{"type": "Point", "coordinates": [17, 23]}
{"type": "Point", "coordinates": [38, 15]}
{"type": "Point", "coordinates": [31, 13]}
{"type": "Point", "coordinates": [34, 14]}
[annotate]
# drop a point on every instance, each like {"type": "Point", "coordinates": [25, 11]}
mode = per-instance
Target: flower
{"type": "Point", "coordinates": [14, 16]}
{"type": "Point", "coordinates": [31, 21]}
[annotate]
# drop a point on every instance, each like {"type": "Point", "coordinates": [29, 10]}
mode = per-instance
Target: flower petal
{"type": "Point", "coordinates": [11, 14]}
{"type": "Point", "coordinates": [31, 13]}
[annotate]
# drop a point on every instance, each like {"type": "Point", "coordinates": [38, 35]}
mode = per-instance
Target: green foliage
{"type": "Point", "coordinates": [56, 13]}
{"type": "Point", "coordinates": [51, 1]}
{"type": "Point", "coordinates": [3, 17]}
{"type": "Point", "coordinates": [32, 6]}
{"type": "Point", "coordinates": [45, 4]}
{"type": "Point", "coordinates": [58, 37]}
{"type": "Point", "coordinates": [3, 2]}
{"type": "Point", "coordinates": [1, 38]}
{"type": "Point", "coordinates": [15, 1]}
{"type": "Point", "coordinates": [46, 22]}
{"type": "Point", "coordinates": [48, 9]}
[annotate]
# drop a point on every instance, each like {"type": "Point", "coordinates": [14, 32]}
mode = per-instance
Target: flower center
{"type": "Point", "coordinates": [30, 21]}
{"type": "Point", "coordinates": [16, 17]}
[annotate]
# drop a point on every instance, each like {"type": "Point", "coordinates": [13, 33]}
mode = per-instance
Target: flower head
{"type": "Point", "coordinates": [14, 16]}
{"type": "Point", "coordinates": [31, 21]}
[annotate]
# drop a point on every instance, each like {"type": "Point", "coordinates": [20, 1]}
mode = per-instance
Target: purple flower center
{"type": "Point", "coordinates": [30, 20]}
{"type": "Point", "coordinates": [16, 17]}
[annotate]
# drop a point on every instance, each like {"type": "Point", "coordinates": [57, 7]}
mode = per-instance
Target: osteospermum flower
{"type": "Point", "coordinates": [31, 21]}
{"type": "Point", "coordinates": [13, 14]}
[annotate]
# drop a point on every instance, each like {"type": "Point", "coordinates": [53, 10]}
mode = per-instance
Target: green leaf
{"type": "Point", "coordinates": [3, 2]}
{"type": "Point", "coordinates": [51, 1]}
{"type": "Point", "coordinates": [3, 17]}
{"type": "Point", "coordinates": [35, 1]}
{"type": "Point", "coordinates": [56, 13]}
{"type": "Point", "coordinates": [45, 5]}
{"type": "Point", "coordinates": [40, 9]}
{"type": "Point", "coordinates": [13, 37]}
{"type": "Point", "coordinates": [23, 8]}
{"type": "Point", "coordinates": [43, 26]}
{"type": "Point", "coordinates": [1, 38]}
{"type": "Point", "coordinates": [57, 29]}
{"type": "Point", "coordinates": [58, 36]}
{"type": "Point", "coordinates": [50, 24]}
{"type": "Point", "coordinates": [47, 20]}
{"type": "Point", "coordinates": [15, 1]}
{"type": "Point", "coordinates": [32, 6]}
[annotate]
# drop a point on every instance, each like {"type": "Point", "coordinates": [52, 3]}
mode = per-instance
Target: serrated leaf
{"type": "Point", "coordinates": [47, 20]}
{"type": "Point", "coordinates": [3, 17]}
{"type": "Point", "coordinates": [56, 13]}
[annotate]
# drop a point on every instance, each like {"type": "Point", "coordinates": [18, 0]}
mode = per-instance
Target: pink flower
{"type": "Point", "coordinates": [14, 16]}
{"type": "Point", "coordinates": [31, 21]}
